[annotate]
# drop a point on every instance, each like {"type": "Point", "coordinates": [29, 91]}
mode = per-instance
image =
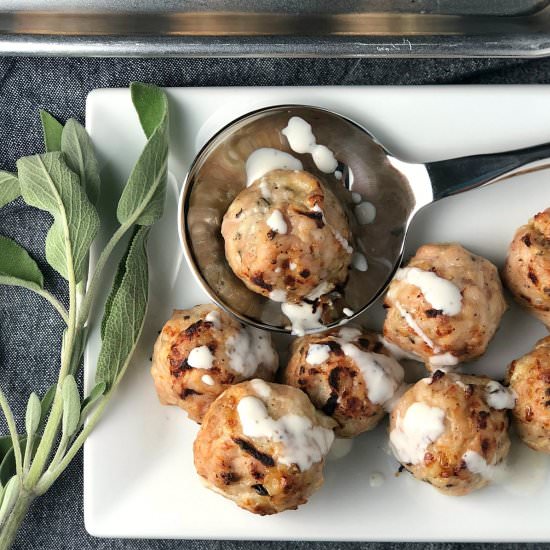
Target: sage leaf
{"type": "Point", "coordinates": [124, 320]}
{"type": "Point", "coordinates": [33, 414]}
{"type": "Point", "coordinates": [46, 405]}
{"type": "Point", "coordinates": [52, 130]}
{"type": "Point", "coordinates": [11, 493]}
{"type": "Point", "coordinates": [77, 147]}
{"type": "Point", "coordinates": [47, 183]}
{"type": "Point", "coordinates": [142, 200]}
{"type": "Point", "coordinates": [93, 398]}
{"type": "Point", "coordinates": [71, 406]}
{"type": "Point", "coordinates": [9, 187]}
{"type": "Point", "coordinates": [15, 262]}
{"type": "Point", "coordinates": [151, 105]}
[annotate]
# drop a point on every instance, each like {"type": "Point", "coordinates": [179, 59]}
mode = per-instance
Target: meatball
{"type": "Point", "coordinates": [527, 268]}
{"type": "Point", "coordinates": [201, 351]}
{"type": "Point", "coordinates": [263, 446]}
{"type": "Point", "coordinates": [286, 237]}
{"type": "Point", "coordinates": [445, 306]}
{"type": "Point", "coordinates": [348, 374]}
{"type": "Point", "coordinates": [529, 378]}
{"type": "Point", "coordinates": [451, 431]}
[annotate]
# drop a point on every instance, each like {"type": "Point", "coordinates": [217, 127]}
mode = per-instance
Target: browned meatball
{"type": "Point", "coordinates": [445, 306]}
{"type": "Point", "coordinates": [445, 431]}
{"type": "Point", "coordinates": [201, 351]}
{"type": "Point", "coordinates": [263, 446]}
{"type": "Point", "coordinates": [529, 378]}
{"type": "Point", "coordinates": [286, 237]}
{"type": "Point", "coordinates": [527, 269]}
{"type": "Point", "coordinates": [348, 374]}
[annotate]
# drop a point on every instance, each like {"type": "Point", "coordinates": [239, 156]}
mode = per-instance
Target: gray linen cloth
{"type": "Point", "coordinates": [30, 331]}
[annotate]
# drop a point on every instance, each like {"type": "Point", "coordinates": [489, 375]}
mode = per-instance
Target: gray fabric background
{"type": "Point", "coordinates": [29, 330]}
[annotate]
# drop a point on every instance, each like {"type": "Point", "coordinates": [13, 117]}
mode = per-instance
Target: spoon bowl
{"type": "Point", "coordinates": [396, 189]}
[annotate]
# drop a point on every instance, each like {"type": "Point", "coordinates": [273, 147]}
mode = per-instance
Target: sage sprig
{"type": "Point", "coordinates": [65, 181]}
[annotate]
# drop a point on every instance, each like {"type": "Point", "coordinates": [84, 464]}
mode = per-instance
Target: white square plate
{"type": "Point", "coordinates": [139, 479]}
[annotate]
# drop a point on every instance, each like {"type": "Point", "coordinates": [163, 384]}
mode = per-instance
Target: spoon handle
{"type": "Point", "coordinates": [449, 177]}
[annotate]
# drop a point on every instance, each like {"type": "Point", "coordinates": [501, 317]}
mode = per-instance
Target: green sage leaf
{"type": "Point", "coordinates": [93, 398]}
{"type": "Point", "coordinates": [10, 495]}
{"type": "Point", "coordinates": [46, 405]}
{"type": "Point", "coordinates": [124, 320]}
{"type": "Point", "coordinates": [142, 200]}
{"type": "Point", "coordinates": [80, 157]}
{"type": "Point", "coordinates": [71, 406]}
{"type": "Point", "coordinates": [15, 262]}
{"type": "Point", "coordinates": [33, 414]}
{"type": "Point", "coordinates": [48, 184]}
{"type": "Point", "coordinates": [9, 187]}
{"type": "Point", "coordinates": [52, 129]}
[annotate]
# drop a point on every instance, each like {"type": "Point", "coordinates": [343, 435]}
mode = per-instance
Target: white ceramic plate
{"type": "Point", "coordinates": [139, 479]}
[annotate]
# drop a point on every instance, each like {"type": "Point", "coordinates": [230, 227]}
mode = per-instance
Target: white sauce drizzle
{"type": "Point", "coordinates": [443, 360]}
{"type": "Point", "coordinates": [421, 426]}
{"type": "Point", "coordinates": [292, 266]}
{"type": "Point", "coordinates": [439, 292]}
{"type": "Point", "coordinates": [319, 290]}
{"type": "Point", "coordinates": [277, 295]}
{"type": "Point", "coordinates": [200, 358]}
{"type": "Point", "coordinates": [356, 197]}
{"type": "Point", "coordinates": [214, 318]}
{"type": "Point", "coordinates": [277, 222]}
{"type": "Point", "coordinates": [265, 190]}
{"type": "Point", "coordinates": [359, 262]}
{"type": "Point", "coordinates": [365, 212]}
{"type": "Point", "coordinates": [248, 349]}
{"type": "Point", "coordinates": [340, 238]}
{"type": "Point", "coordinates": [498, 397]}
{"type": "Point", "coordinates": [397, 352]}
{"type": "Point", "coordinates": [266, 159]}
{"type": "Point", "coordinates": [302, 140]}
{"type": "Point", "coordinates": [338, 174]}
{"type": "Point", "coordinates": [340, 448]}
{"type": "Point", "coordinates": [261, 388]}
{"type": "Point", "coordinates": [302, 317]}
{"type": "Point", "coordinates": [414, 325]}
{"type": "Point", "coordinates": [302, 443]}
{"type": "Point", "coordinates": [317, 354]}
{"type": "Point", "coordinates": [207, 379]}
{"type": "Point", "coordinates": [478, 465]}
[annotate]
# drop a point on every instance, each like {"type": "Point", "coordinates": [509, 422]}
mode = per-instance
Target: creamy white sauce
{"type": "Point", "coordinates": [214, 318]}
{"type": "Point", "coordinates": [302, 317]}
{"type": "Point", "coordinates": [320, 290]}
{"type": "Point", "coordinates": [208, 380]}
{"type": "Point", "coordinates": [302, 443]}
{"type": "Point", "coordinates": [348, 312]}
{"type": "Point", "coordinates": [415, 326]}
{"type": "Point", "coordinates": [277, 222]}
{"type": "Point", "coordinates": [292, 266]}
{"type": "Point", "coordinates": [343, 241]}
{"type": "Point", "coordinates": [348, 334]}
{"type": "Point", "coordinates": [421, 426]}
{"type": "Point", "coordinates": [356, 197]}
{"type": "Point", "coordinates": [376, 479]}
{"type": "Point", "coordinates": [261, 388]}
{"type": "Point", "coordinates": [265, 190]}
{"type": "Point", "coordinates": [498, 397]}
{"type": "Point", "coordinates": [359, 262]}
{"type": "Point", "coordinates": [317, 354]}
{"type": "Point", "coordinates": [266, 159]}
{"type": "Point", "coordinates": [478, 465]}
{"type": "Point", "coordinates": [338, 174]}
{"type": "Point", "coordinates": [302, 140]}
{"type": "Point", "coordinates": [383, 375]}
{"type": "Point", "coordinates": [397, 352]}
{"type": "Point", "coordinates": [248, 349]}
{"type": "Point", "coordinates": [277, 295]}
{"type": "Point", "coordinates": [439, 292]}
{"type": "Point", "coordinates": [200, 358]}
{"type": "Point", "coordinates": [391, 403]}
{"type": "Point", "coordinates": [443, 360]}
{"type": "Point", "coordinates": [365, 212]}
{"type": "Point", "coordinates": [340, 448]}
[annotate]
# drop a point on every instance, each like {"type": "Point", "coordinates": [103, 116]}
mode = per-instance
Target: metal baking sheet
{"type": "Point", "coordinates": [291, 28]}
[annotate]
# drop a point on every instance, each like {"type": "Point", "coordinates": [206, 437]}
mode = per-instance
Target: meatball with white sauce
{"type": "Point", "coordinates": [451, 430]}
{"type": "Point", "coordinates": [263, 446]}
{"type": "Point", "coordinates": [287, 237]}
{"type": "Point", "coordinates": [529, 378]}
{"type": "Point", "coordinates": [348, 374]}
{"type": "Point", "coordinates": [203, 350]}
{"type": "Point", "coordinates": [445, 306]}
{"type": "Point", "coordinates": [527, 269]}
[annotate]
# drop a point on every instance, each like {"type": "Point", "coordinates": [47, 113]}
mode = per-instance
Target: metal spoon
{"type": "Point", "coordinates": [397, 189]}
